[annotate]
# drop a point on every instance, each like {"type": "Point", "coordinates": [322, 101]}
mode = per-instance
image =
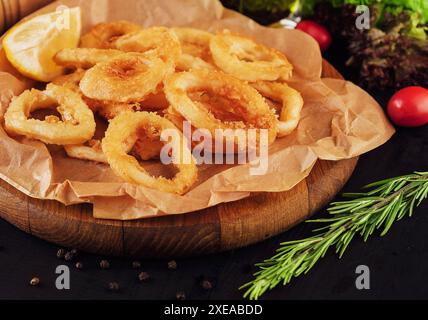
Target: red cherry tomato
{"type": "Point", "coordinates": [317, 31]}
{"type": "Point", "coordinates": [408, 107]}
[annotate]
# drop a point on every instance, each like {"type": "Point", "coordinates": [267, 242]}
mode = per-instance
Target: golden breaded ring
{"type": "Point", "coordinates": [121, 136]}
{"type": "Point", "coordinates": [246, 103]}
{"type": "Point", "coordinates": [145, 148]}
{"type": "Point", "coordinates": [188, 62]}
{"type": "Point", "coordinates": [103, 35]}
{"type": "Point", "coordinates": [157, 41]}
{"type": "Point", "coordinates": [148, 149]}
{"type": "Point", "coordinates": [292, 104]}
{"type": "Point", "coordinates": [128, 78]}
{"type": "Point", "coordinates": [106, 109]}
{"type": "Point", "coordinates": [77, 125]}
{"type": "Point", "coordinates": [84, 58]}
{"type": "Point", "coordinates": [109, 110]}
{"type": "Point", "coordinates": [91, 151]}
{"type": "Point", "coordinates": [247, 60]}
{"type": "Point", "coordinates": [70, 81]}
{"type": "Point", "coordinates": [195, 45]}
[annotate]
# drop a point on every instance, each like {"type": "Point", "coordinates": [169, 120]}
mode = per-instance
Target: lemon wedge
{"type": "Point", "coordinates": [30, 45]}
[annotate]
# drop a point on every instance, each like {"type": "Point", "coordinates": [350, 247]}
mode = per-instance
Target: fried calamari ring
{"type": "Point", "coordinates": [172, 115]}
{"type": "Point", "coordinates": [110, 109]}
{"type": "Point", "coordinates": [154, 102]}
{"type": "Point", "coordinates": [70, 81]}
{"type": "Point", "coordinates": [188, 62]}
{"type": "Point", "coordinates": [213, 100]}
{"type": "Point", "coordinates": [157, 41]}
{"type": "Point", "coordinates": [76, 127]}
{"type": "Point", "coordinates": [195, 45]}
{"type": "Point", "coordinates": [128, 78]}
{"type": "Point", "coordinates": [292, 104]}
{"type": "Point", "coordinates": [103, 35]}
{"type": "Point", "coordinates": [122, 134]}
{"type": "Point", "coordinates": [148, 149]}
{"type": "Point", "coordinates": [247, 60]}
{"type": "Point", "coordinates": [144, 148]}
{"type": "Point", "coordinates": [90, 151]}
{"type": "Point", "coordinates": [84, 58]}
{"type": "Point", "coordinates": [178, 120]}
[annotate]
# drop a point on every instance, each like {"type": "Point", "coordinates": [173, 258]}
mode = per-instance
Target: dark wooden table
{"type": "Point", "coordinates": [397, 262]}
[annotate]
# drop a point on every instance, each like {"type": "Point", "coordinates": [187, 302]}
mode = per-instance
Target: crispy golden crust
{"type": "Point", "coordinates": [90, 151]}
{"type": "Point", "coordinates": [76, 126]}
{"type": "Point", "coordinates": [247, 60]}
{"type": "Point", "coordinates": [71, 80]}
{"type": "Point", "coordinates": [121, 136]}
{"type": "Point", "coordinates": [130, 77]}
{"type": "Point", "coordinates": [195, 45]}
{"type": "Point", "coordinates": [160, 42]}
{"type": "Point", "coordinates": [84, 58]}
{"type": "Point", "coordinates": [292, 104]}
{"type": "Point", "coordinates": [104, 35]}
{"type": "Point", "coordinates": [213, 100]}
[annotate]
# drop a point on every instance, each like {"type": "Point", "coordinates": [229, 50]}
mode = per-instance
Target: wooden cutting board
{"type": "Point", "coordinates": [11, 11]}
{"type": "Point", "coordinates": [226, 226]}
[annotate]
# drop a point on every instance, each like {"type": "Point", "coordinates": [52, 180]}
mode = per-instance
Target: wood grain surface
{"type": "Point", "coordinates": [226, 226]}
{"type": "Point", "coordinates": [11, 11]}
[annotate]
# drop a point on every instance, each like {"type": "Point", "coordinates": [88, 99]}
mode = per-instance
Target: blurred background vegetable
{"type": "Point", "coordinates": [408, 107]}
{"type": "Point", "coordinates": [317, 31]}
{"type": "Point", "coordinates": [392, 54]}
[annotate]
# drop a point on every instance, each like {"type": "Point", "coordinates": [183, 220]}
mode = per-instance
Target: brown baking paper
{"type": "Point", "coordinates": [339, 121]}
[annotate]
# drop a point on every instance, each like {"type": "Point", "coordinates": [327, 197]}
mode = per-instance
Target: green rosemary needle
{"type": "Point", "coordinates": [386, 201]}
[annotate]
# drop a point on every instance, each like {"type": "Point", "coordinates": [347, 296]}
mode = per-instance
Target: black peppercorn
{"type": "Point", "coordinates": [74, 252]}
{"type": "Point", "coordinates": [60, 254]}
{"type": "Point", "coordinates": [206, 284]}
{"type": "Point", "coordinates": [104, 264]}
{"type": "Point", "coordinates": [113, 286]}
{"type": "Point", "coordinates": [172, 265]}
{"type": "Point", "coordinates": [79, 265]}
{"type": "Point", "coordinates": [68, 256]}
{"type": "Point", "coordinates": [136, 265]}
{"type": "Point", "coordinates": [35, 281]}
{"type": "Point", "coordinates": [143, 276]}
{"type": "Point", "coordinates": [180, 295]}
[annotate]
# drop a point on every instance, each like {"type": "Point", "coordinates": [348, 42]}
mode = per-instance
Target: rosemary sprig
{"type": "Point", "coordinates": [386, 201]}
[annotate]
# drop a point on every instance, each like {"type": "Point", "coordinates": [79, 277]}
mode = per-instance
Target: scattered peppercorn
{"type": "Point", "coordinates": [60, 253]}
{"type": "Point", "coordinates": [172, 265]}
{"type": "Point", "coordinates": [74, 252]}
{"type": "Point", "coordinates": [68, 256]}
{"type": "Point", "coordinates": [35, 281]}
{"type": "Point", "coordinates": [180, 295]}
{"type": "Point", "coordinates": [143, 276]}
{"type": "Point", "coordinates": [136, 265]}
{"type": "Point", "coordinates": [79, 265]}
{"type": "Point", "coordinates": [104, 264]}
{"type": "Point", "coordinates": [113, 286]}
{"type": "Point", "coordinates": [206, 284]}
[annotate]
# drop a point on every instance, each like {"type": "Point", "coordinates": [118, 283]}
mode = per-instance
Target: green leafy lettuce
{"type": "Point", "coordinates": [416, 9]}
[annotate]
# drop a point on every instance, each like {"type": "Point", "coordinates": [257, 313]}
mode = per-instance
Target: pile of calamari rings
{"type": "Point", "coordinates": [146, 80]}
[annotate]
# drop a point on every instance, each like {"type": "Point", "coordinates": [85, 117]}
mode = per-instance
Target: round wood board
{"type": "Point", "coordinates": [223, 227]}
